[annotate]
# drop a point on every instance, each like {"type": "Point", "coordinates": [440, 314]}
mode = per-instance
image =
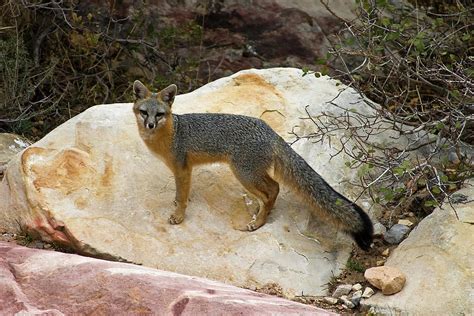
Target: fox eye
{"type": "Point", "coordinates": [159, 114]}
{"type": "Point", "coordinates": [143, 112]}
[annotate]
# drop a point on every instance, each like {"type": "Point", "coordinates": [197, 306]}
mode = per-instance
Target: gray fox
{"type": "Point", "coordinates": [250, 147]}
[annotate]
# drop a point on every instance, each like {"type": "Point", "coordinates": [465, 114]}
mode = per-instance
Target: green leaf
{"type": "Point", "coordinates": [385, 21]}
{"type": "Point", "coordinates": [455, 93]}
{"type": "Point", "coordinates": [436, 190]}
{"type": "Point", "coordinates": [388, 194]}
{"type": "Point", "coordinates": [392, 36]}
{"type": "Point", "coordinates": [430, 203]}
{"type": "Point", "coordinates": [321, 61]}
{"type": "Point", "coordinates": [419, 44]}
{"type": "Point", "coordinates": [406, 164]}
{"type": "Point", "coordinates": [399, 171]}
{"type": "Point", "coordinates": [305, 71]}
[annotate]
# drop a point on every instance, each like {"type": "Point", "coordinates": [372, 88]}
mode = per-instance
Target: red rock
{"type": "Point", "coordinates": [54, 283]}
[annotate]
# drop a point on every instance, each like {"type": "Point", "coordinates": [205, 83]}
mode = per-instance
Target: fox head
{"type": "Point", "coordinates": [152, 110]}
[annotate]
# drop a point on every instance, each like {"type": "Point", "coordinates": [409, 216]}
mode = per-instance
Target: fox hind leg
{"type": "Point", "coordinates": [262, 186]}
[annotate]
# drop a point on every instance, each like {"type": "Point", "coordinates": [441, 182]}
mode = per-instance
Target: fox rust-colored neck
{"type": "Point", "coordinates": [160, 140]}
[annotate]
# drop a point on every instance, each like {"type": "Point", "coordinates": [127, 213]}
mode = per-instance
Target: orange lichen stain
{"type": "Point", "coordinates": [103, 185]}
{"type": "Point", "coordinates": [250, 94]}
{"type": "Point", "coordinates": [67, 171]}
{"type": "Point", "coordinates": [81, 202]}
{"type": "Point", "coordinates": [255, 82]}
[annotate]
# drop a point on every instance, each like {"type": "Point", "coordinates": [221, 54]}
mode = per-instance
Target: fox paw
{"type": "Point", "coordinates": [175, 219]}
{"type": "Point", "coordinates": [250, 226]}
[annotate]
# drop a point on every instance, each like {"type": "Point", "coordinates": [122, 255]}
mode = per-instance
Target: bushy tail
{"type": "Point", "coordinates": [293, 170]}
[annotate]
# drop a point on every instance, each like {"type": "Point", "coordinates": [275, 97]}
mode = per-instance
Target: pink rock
{"type": "Point", "coordinates": [390, 280]}
{"type": "Point", "coordinates": [54, 283]}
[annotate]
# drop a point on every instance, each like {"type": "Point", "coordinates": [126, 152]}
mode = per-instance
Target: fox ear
{"type": "Point", "coordinates": [168, 94]}
{"type": "Point", "coordinates": [140, 91]}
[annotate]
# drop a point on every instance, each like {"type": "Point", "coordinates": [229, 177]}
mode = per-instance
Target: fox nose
{"type": "Point", "coordinates": [151, 125]}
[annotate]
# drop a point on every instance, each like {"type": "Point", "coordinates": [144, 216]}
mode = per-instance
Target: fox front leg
{"type": "Point", "coordinates": [183, 181]}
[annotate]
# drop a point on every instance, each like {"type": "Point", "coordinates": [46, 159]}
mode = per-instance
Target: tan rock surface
{"type": "Point", "coordinates": [388, 279]}
{"type": "Point", "coordinates": [92, 184]}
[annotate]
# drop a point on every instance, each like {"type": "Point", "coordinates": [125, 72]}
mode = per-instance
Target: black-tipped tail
{"type": "Point", "coordinates": [363, 237]}
{"type": "Point", "coordinates": [294, 170]}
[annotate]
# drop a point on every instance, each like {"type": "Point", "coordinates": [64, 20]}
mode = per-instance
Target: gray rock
{"type": "Point", "coordinates": [341, 290]}
{"type": "Point", "coordinates": [345, 301]}
{"type": "Point", "coordinates": [356, 297]}
{"type": "Point", "coordinates": [396, 234]}
{"type": "Point", "coordinates": [379, 229]}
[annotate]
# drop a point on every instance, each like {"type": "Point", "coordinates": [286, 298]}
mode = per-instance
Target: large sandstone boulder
{"type": "Point", "coordinates": [91, 184]}
{"type": "Point", "coordinates": [438, 260]}
{"type": "Point", "coordinates": [40, 282]}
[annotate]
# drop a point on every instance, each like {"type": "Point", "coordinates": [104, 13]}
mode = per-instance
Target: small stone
{"type": "Point", "coordinates": [342, 289]}
{"type": "Point", "coordinates": [453, 158]}
{"type": "Point", "coordinates": [379, 229]}
{"type": "Point", "coordinates": [357, 287]}
{"type": "Point", "coordinates": [386, 252]}
{"type": "Point", "coordinates": [405, 222]}
{"type": "Point", "coordinates": [380, 262]}
{"type": "Point", "coordinates": [356, 297]}
{"type": "Point", "coordinates": [347, 303]}
{"type": "Point", "coordinates": [368, 292]}
{"type": "Point", "coordinates": [47, 246]}
{"type": "Point", "coordinates": [330, 300]}
{"type": "Point", "coordinates": [389, 279]}
{"type": "Point", "coordinates": [411, 214]}
{"type": "Point", "coordinates": [396, 234]}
